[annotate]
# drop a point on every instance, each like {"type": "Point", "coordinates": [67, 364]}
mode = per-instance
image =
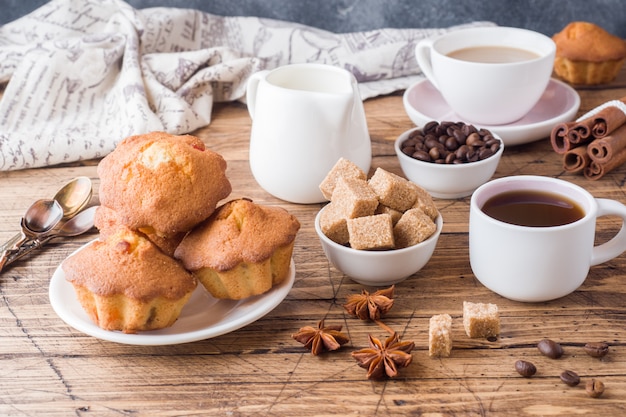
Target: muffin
{"type": "Point", "coordinates": [587, 54]}
{"type": "Point", "coordinates": [126, 283]}
{"type": "Point", "coordinates": [161, 183]}
{"type": "Point", "coordinates": [108, 221]}
{"type": "Point", "coordinates": [243, 249]}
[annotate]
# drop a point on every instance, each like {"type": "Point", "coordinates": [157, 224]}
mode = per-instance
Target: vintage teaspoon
{"type": "Point", "coordinates": [39, 218]}
{"type": "Point", "coordinates": [72, 198]}
{"type": "Point", "coordinates": [77, 225]}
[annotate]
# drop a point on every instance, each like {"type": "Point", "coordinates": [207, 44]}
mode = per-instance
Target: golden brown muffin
{"type": "Point", "coordinates": [588, 54]}
{"type": "Point", "coordinates": [242, 250]}
{"type": "Point", "coordinates": [108, 221]}
{"type": "Point", "coordinates": [163, 183]}
{"type": "Point", "coordinates": [126, 283]}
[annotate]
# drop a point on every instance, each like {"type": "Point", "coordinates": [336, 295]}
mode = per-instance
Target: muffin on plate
{"type": "Point", "coordinates": [588, 54]}
{"type": "Point", "coordinates": [108, 221]}
{"type": "Point", "coordinates": [243, 249]}
{"type": "Point", "coordinates": [163, 184]}
{"type": "Point", "coordinates": [126, 283]}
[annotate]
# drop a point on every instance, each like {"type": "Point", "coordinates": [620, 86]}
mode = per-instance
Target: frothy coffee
{"type": "Point", "coordinates": [493, 54]}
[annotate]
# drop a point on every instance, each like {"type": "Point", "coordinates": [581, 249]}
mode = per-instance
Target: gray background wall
{"type": "Point", "coordinates": [546, 16]}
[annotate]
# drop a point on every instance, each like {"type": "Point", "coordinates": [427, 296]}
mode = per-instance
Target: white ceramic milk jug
{"type": "Point", "coordinates": [304, 118]}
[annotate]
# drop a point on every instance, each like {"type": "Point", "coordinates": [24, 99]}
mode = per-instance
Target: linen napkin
{"type": "Point", "coordinates": [83, 74]}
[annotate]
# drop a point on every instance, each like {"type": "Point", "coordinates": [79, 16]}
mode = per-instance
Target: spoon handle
{"type": "Point", "coordinates": [10, 248]}
{"type": "Point", "coordinates": [25, 248]}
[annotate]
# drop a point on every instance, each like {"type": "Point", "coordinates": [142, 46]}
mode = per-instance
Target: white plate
{"type": "Point", "coordinates": [203, 316]}
{"type": "Point", "coordinates": [559, 103]}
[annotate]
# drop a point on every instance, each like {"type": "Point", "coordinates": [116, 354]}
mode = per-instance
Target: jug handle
{"type": "Point", "coordinates": [251, 89]}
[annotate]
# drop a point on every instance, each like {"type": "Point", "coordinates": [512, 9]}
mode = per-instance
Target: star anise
{"type": "Point", "coordinates": [384, 359]}
{"type": "Point", "coordinates": [324, 338]}
{"type": "Point", "coordinates": [368, 306]}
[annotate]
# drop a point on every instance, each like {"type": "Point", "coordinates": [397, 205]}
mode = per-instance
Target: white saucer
{"type": "Point", "coordinates": [203, 316]}
{"type": "Point", "coordinates": [559, 103]}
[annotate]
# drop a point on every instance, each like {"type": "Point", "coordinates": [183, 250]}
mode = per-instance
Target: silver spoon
{"type": "Point", "coordinates": [39, 218]}
{"type": "Point", "coordinates": [77, 225]}
{"type": "Point", "coordinates": [72, 198]}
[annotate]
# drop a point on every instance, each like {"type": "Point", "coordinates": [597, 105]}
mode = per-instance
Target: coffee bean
{"type": "Point", "coordinates": [436, 141]}
{"type": "Point", "coordinates": [596, 350]}
{"type": "Point", "coordinates": [594, 388]}
{"type": "Point", "coordinates": [570, 378]}
{"type": "Point", "coordinates": [550, 348]}
{"type": "Point", "coordinates": [525, 368]}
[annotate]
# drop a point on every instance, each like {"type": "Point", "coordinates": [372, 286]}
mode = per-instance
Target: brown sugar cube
{"type": "Point", "coordinates": [424, 201]}
{"type": "Point", "coordinates": [395, 214]}
{"type": "Point", "coordinates": [440, 336]}
{"type": "Point", "coordinates": [413, 227]}
{"type": "Point", "coordinates": [393, 190]}
{"type": "Point", "coordinates": [334, 225]}
{"type": "Point", "coordinates": [481, 320]}
{"type": "Point", "coordinates": [354, 198]}
{"type": "Point", "coordinates": [342, 168]}
{"type": "Point", "coordinates": [371, 232]}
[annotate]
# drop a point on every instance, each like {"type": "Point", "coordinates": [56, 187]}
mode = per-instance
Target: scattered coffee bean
{"type": "Point", "coordinates": [550, 348]}
{"type": "Point", "coordinates": [570, 378]}
{"type": "Point", "coordinates": [525, 368]}
{"type": "Point", "coordinates": [596, 350]}
{"type": "Point", "coordinates": [594, 388]}
{"type": "Point", "coordinates": [450, 143]}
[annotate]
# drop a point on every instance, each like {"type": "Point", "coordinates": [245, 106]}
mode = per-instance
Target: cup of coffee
{"type": "Point", "coordinates": [488, 75]}
{"type": "Point", "coordinates": [531, 238]}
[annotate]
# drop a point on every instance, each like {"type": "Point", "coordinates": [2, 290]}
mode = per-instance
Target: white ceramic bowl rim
{"type": "Point", "coordinates": [404, 136]}
{"type": "Point", "coordinates": [375, 253]}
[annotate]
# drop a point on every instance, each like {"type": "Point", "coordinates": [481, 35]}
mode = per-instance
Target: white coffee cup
{"type": "Point", "coordinates": [531, 263]}
{"type": "Point", "coordinates": [488, 93]}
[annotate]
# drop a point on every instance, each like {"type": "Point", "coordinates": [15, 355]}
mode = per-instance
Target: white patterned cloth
{"type": "Point", "coordinates": [83, 74]}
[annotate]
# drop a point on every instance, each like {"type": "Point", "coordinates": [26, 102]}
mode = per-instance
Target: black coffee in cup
{"type": "Point", "coordinates": [533, 208]}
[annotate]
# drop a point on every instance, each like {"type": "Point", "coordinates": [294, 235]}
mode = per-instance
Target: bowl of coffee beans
{"type": "Point", "coordinates": [449, 159]}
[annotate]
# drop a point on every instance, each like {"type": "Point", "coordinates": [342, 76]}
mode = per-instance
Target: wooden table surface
{"type": "Point", "coordinates": [49, 368]}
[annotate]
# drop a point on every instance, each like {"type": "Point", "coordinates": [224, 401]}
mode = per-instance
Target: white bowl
{"type": "Point", "coordinates": [447, 180]}
{"type": "Point", "coordinates": [379, 268]}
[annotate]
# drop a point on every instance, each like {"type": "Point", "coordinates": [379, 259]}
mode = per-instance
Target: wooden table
{"type": "Point", "coordinates": [47, 367]}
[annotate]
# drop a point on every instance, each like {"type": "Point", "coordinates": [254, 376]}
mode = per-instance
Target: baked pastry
{"type": "Point", "coordinates": [108, 221]}
{"type": "Point", "coordinates": [162, 184]}
{"type": "Point", "coordinates": [242, 250]}
{"type": "Point", "coordinates": [126, 283]}
{"type": "Point", "coordinates": [588, 54]}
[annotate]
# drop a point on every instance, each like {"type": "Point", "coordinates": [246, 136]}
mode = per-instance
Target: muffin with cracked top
{"type": "Point", "coordinates": [243, 249]}
{"type": "Point", "coordinates": [162, 184]}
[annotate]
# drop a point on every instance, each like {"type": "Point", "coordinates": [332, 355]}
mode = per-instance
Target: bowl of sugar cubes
{"type": "Point", "coordinates": [379, 230]}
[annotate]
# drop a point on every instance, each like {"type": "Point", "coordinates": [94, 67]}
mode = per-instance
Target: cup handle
{"type": "Point", "coordinates": [617, 245]}
{"type": "Point", "coordinates": [423, 50]}
{"type": "Point", "coordinates": [251, 89]}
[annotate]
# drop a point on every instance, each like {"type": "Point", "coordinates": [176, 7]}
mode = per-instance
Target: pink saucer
{"type": "Point", "coordinates": [559, 103]}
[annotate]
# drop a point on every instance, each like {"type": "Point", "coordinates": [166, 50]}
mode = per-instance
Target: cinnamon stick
{"type": "Point", "coordinates": [558, 138]}
{"type": "Point", "coordinates": [608, 120]}
{"type": "Point", "coordinates": [595, 170]}
{"type": "Point", "coordinates": [579, 133]}
{"type": "Point", "coordinates": [604, 149]}
{"type": "Point", "coordinates": [576, 160]}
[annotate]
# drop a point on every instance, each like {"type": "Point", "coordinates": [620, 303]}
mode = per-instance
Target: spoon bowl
{"type": "Point", "coordinates": [77, 225]}
{"type": "Point", "coordinates": [74, 196]}
{"type": "Point", "coordinates": [42, 216]}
